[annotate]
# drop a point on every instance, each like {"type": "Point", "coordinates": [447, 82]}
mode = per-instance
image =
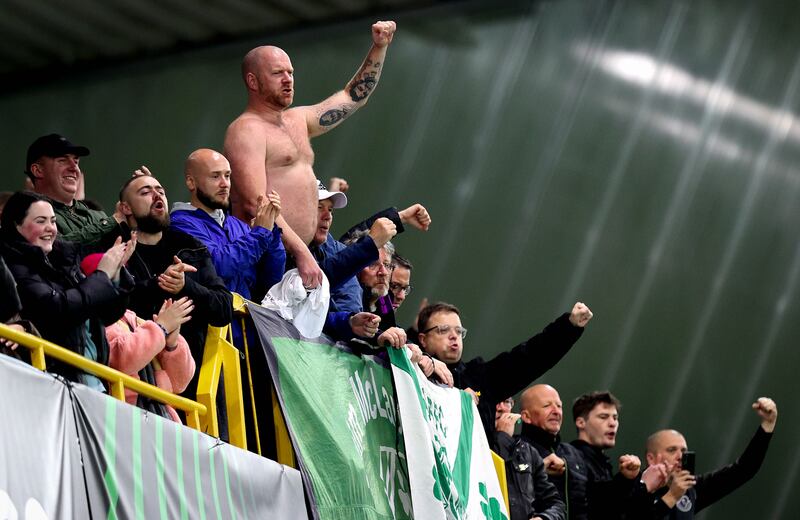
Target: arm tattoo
{"type": "Point", "coordinates": [333, 116]}
{"type": "Point", "coordinates": [361, 88]}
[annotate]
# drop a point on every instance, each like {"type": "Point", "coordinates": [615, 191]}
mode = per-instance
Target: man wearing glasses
{"type": "Point", "coordinates": [399, 281]}
{"type": "Point", "coordinates": [374, 280]}
{"type": "Point", "coordinates": [490, 382]}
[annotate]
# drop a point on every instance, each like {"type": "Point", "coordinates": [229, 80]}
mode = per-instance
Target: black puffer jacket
{"type": "Point", "coordinates": [58, 299]}
{"type": "Point", "coordinates": [530, 493]}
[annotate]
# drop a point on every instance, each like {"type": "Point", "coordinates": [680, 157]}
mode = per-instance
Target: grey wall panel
{"type": "Point", "coordinates": [638, 156]}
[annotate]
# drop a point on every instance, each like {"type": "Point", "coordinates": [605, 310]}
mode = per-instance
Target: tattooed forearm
{"type": "Point", "coordinates": [362, 88]}
{"type": "Point", "coordinates": [362, 85]}
{"type": "Point", "coordinates": [333, 116]}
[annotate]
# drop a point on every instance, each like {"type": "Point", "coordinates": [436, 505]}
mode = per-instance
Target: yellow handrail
{"type": "Point", "coordinates": [117, 380]}
{"type": "Point", "coordinates": [220, 357]}
{"type": "Point", "coordinates": [283, 444]}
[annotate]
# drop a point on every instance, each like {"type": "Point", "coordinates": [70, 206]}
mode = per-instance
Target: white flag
{"type": "Point", "coordinates": [450, 468]}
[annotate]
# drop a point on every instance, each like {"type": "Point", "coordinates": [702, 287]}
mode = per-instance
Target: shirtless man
{"type": "Point", "coordinates": [269, 145]}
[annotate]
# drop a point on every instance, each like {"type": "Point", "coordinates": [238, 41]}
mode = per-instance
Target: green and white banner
{"type": "Point", "coordinates": [359, 459]}
{"type": "Point", "coordinates": [341, 413]}
{"type": "Point", "coordinates": [450, 469]}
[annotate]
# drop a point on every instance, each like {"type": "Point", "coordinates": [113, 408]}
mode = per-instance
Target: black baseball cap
{"type": "Point", "coordinates": [53, 145]}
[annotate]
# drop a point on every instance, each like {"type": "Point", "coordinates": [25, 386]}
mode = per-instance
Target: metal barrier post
{"type": "Point", "coordinates": [219, 357]}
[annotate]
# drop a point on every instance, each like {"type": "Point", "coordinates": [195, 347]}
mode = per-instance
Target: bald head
{"type": "Point", "coordinates": [269, 77]}
{"type": "Point", "coordinates": [208, 178]}
{"type": "Point", "coordinates": [260, 57]}
{"type": "Point", "coordinates": [541, 407]}
{"type": "Point", "coordinates": [204, 159]}
{"type": "Point", "coordinates": [656, 440]}
{"type": "Point", "coordinates": [665, 446]}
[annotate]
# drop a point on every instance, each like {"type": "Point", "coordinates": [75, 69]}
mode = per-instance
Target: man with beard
{"type": "Point", "coordinates": [374, 280]}
{"type": "Point", "coordinates": [269, 144]}
{"type": "Point", "coordinates": [249, 258]}
{"type": "Point", "coordinates": [169, 263]}
{"type": "Point", "coordinates": [52, 165]}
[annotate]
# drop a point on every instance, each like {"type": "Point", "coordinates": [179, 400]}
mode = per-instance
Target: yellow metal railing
{"type": "Point", "coordinates": [220, 357]}
{"type": "Point", "coordinates": [283, 444]}
{"type": "Point", "coordinates": [220, 361]}
{"type": "Point", "coordinates": [118, 381]}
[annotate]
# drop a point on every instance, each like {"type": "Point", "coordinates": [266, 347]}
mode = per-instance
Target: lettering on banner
{"type": "Point", "coordinates": [372, 404]}
{"type": "Point", "coordinates": [395, 482]}
{"type": "Point", "coordinates": [356, 428]}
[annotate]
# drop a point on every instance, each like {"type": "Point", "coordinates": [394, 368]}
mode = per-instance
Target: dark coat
{"type": "Point", "coordinates": [58, 299]}
{"type": "Point", "coordinates": [711, 486]}
{"type": "Point", "coordinates": [510, 372]}
{"type": "Point", "coordinates": [213, 303]}
{"type": "Point", "coordinates": [9, 299]}
{"type": "Point", "coordinates": [530, 493]}
{"type": "Point", "coordinates": [609, 496]}
{"type": "Point", "coordinates": [572, 484]}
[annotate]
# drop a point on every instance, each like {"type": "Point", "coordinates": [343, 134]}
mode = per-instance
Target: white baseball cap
{"type": "Point", "coordinates": [339, 199]}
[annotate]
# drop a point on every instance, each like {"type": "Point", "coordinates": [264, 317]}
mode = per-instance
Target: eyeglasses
{"type": "Point", "coordinates": [509, 402]}
{"type": "Point", "coordinates": [443, 330]}
{"type": "Point", "coordinates": [374, 266]}
{"type": "Point", "coordinates": [396, 287]}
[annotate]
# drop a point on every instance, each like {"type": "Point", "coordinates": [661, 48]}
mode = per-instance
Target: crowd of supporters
{"type": "Point", "coordinates": [137, 290]}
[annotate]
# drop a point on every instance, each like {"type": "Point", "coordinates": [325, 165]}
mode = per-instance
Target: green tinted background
{"type": "Point", "coordinates": [637, 156]}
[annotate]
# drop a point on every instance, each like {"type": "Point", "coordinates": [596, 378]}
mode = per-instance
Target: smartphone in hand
{"type": "Point", "coordinates": [687, 461]}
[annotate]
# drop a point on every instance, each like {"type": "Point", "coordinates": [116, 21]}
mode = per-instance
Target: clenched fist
{"type": "Point", "coordinates": [580, 315]}
{"type": "Point", "coordinates": [383, 32]}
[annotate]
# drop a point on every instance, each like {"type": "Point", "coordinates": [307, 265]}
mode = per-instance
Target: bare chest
{"type": "Point", "coordinates": [288, 144]}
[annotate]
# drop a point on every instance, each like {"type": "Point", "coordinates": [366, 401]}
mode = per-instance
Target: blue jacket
{"type": "Point", "coordinates": [250, 261]}
{"type": "Point", "coordinates": [340, 264]}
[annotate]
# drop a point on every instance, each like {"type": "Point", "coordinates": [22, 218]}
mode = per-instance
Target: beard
{"type": "Point", "coordinates": [152, 224]}
{"type": "Point", "coordinates": [209, 202]}
{"type": "Point", "coordinates": [275, 95]}
{"type": "Point", "coordinates": [378, 293]}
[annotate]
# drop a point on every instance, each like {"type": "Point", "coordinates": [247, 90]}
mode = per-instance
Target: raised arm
{"type": "Point", "coordinates": [331, 112]}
